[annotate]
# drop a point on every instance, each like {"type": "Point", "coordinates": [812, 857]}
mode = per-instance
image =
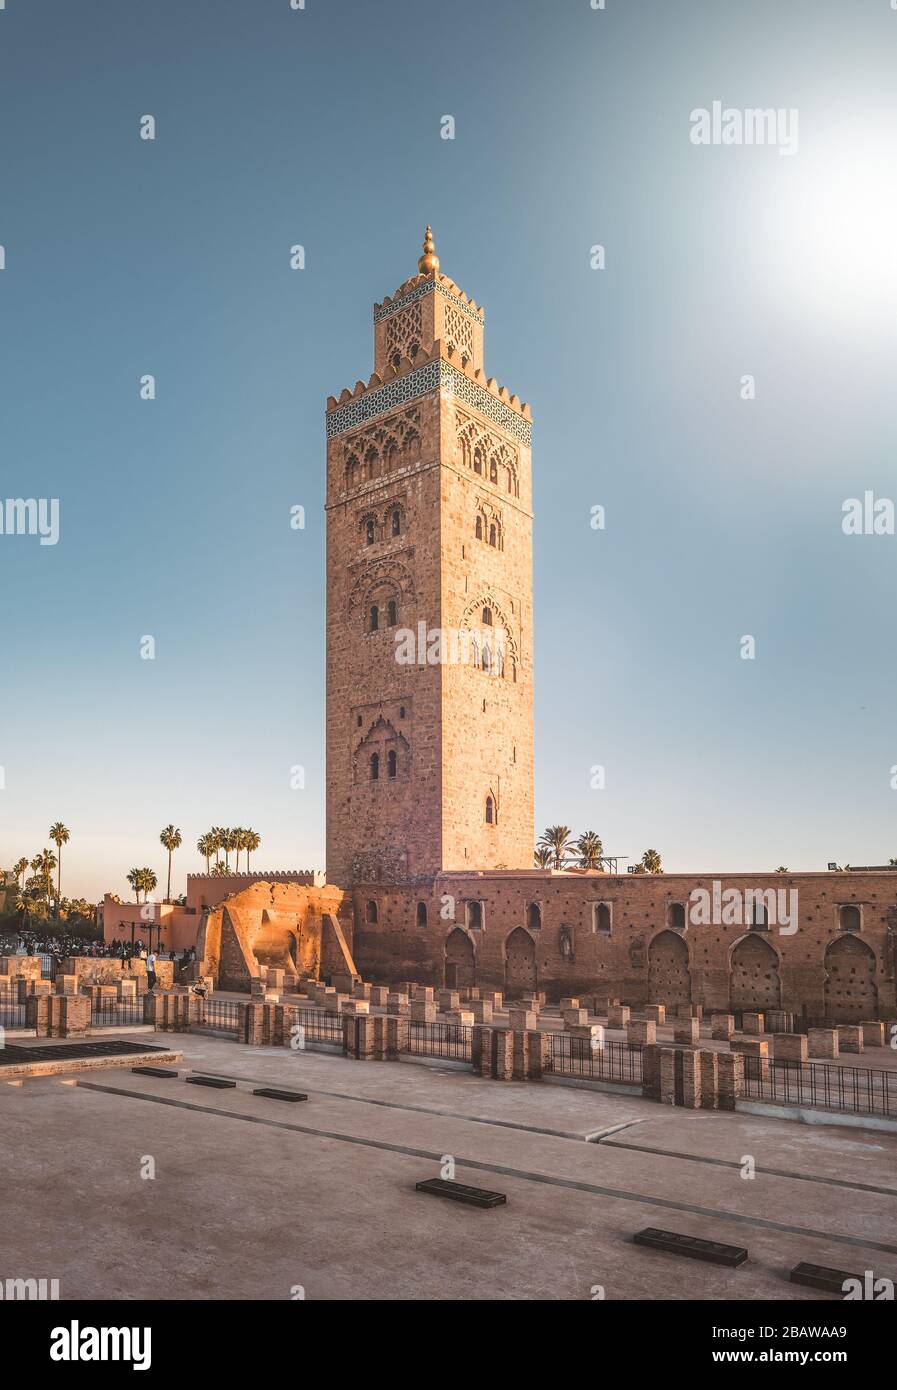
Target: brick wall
{"type": "Point", "coordinates": [848, 976]}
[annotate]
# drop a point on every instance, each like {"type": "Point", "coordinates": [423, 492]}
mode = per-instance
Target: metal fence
{"type": "Point", "coordinates": [48, 966]}
{"type": "Point", "coordinates": [116, 1013]}
{"type": "Point", "coordinates": [12, 1012]}
{"type": "Point", "coordinates": [453, 1041]}
{"type": "Point", "coordinates": [222, 1016]}
{"type": "Point", "coordinates": [319, 1026]}
{"type": "Point", "coordinates": [860, 1090]}
{"type": "Point", "coordinates": [613, 1061]}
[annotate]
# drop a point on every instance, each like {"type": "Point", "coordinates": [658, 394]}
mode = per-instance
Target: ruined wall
{"type": "Point", "coordinates": [208, 890]}
{"type": "Point", "coordinates": [290, 926]}
{"type": "Point", "coordinates": [624, 936]}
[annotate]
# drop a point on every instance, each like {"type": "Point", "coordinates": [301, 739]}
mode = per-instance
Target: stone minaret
{"type": "Point", "coordinates": [429, 601]}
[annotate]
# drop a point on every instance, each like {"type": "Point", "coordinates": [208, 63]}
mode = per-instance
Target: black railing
{"type": "Point", "coordinates": [860, 1090]}
{"type": "Point", "coordinates": [316, 1027]}
{"type": "Point", "coordinates": [12, 1011]}
{"type": "Point", "coordinates": [48, 966]}
{"type": "Point", "coordinates": [450, 1040]}
{"type": "Point", "coordinates": [116, 1013]}
{"type": "Point", "coordinates": [222, 1015]}
{"type": "Point", "coordinates": [612, 1061]}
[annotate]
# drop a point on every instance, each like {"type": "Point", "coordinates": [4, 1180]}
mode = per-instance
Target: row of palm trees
{"type": "Point", "coordinates": [144, 881]}
{"type": "Point", "coordinates": [229, 840]}
{"type": "Point", "coordinates": [35, 896]}
{"type": "Point", "coordinates": [220, 839]}
{"type": "Point", "coordinates": [557, 849]}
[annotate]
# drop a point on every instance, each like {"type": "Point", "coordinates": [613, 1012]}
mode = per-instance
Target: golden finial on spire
{"type": "Point", "coordinates": [428, 263]}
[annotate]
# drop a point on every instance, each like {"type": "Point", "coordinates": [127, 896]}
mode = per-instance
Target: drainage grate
{"type": "Point", "coordinates": [272, 1093]}
{"type": "Point", "coordinates": [14, 1054]}
{"type": "Point", "coordinates": [153, 1071]}
{"type": "Point", "coordinates": [820, 1277]}
{"type": "Point", "coordinates": [215, 1081]}
{"type": "Point", "coordinates": [458, 1192]}
{"type": "Point", "coordinates": [692, 1247]}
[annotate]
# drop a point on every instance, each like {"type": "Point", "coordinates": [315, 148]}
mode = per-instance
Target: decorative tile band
{"type": "Point", "coordinates": [419, 383]}
{"type": "Point", "coordinates": [418, 292]}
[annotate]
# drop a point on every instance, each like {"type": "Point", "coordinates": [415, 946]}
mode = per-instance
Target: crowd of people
{"type": "Point", "coordinates": [60, 947]}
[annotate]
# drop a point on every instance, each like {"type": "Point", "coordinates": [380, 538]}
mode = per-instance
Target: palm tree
{"type": "Point", "coordinates": [590, 850]}
{"type": "Point", "coordinates": [220, 835]}
{"type": "Point", "coordinates": [223, 841]}
{"type": "Point", "coordinates": [43, 865]}
{"type": "Point", "coordinates": [557, 839]}
{"type": "Point", "coordinates": [60, 836]}
{"type": "Point", "coordinates": [651, 862]}
{"type": "Point", "coordinates": [19, 869]}
{"type": "Point", "coordinates": [783, 870]}
{"type": "Point", "coordinates": [148, 882]}
{"type": "Point", "coordinates": [24, 904]}
{"type": "Point", "coordinates": [253, 840]}
{"type": "Point", "coordinates": [238, 840]}
{"type": "Point", "coordinates": [206, 846]}
{"type": "Point", "coordinates": [133, 878]}
{"type": "Point", "coordinates": [171, 839]}
{"type": "Point", "coordinates": [542, 855]}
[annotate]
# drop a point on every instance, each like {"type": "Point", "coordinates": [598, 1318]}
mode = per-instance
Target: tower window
{"type": "Point", "coordinates": [475, 915]}
{"type": "Point", "coordinates": [401, 711]}
{"type": "Point", "coordinates": [370, 911]}
{"type": "Point", "coordinates": [677, 916]}
{"type": "Point", "coordinates": [478, 461]}
{"type": "Point", "coordinates": [492, 535]}
{"type": "Point", "coordinates": [374, 622]}
{"type": "Point", "coordinates": [358, 720]}
{"type": "Point", "coordinates": [534, 916]}
{"type": "Point", "coordinates": [493, 471]}
{"type": "Point", "coordinates": [422, 914]}
{"type": "Point", "coordinates": [487, 617]}
{"type": "Point", "coordinates": [479, 528]}
{"type": "Point", "coordinates": [375, 766]}
{"type": "Point", "coordinates": [391, 763]}
{"type": "Point", "coordinates": [391, 613]}
{"type": "Point", "coordinates": [370, 534]}
{"type": "Point", "coordinates": [397, 522]}
{"type": "Point", "coordinates": [487, 657]}
{"type": "Point", "coordinates": [490, 811]}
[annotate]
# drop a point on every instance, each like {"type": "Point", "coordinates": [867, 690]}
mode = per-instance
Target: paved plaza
{"type": "Point", "coordinates": [256, 1199]}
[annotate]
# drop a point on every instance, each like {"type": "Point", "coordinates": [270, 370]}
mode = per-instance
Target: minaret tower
{"type": "Point", "coordinates": [429, 601]}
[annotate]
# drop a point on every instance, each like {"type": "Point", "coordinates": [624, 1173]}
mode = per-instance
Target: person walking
{"type": "Point", "coordinates": [151, 971]}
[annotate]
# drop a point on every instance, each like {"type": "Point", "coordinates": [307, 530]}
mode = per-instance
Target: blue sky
{"type": "Point", "coordinates": [322, 127]}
